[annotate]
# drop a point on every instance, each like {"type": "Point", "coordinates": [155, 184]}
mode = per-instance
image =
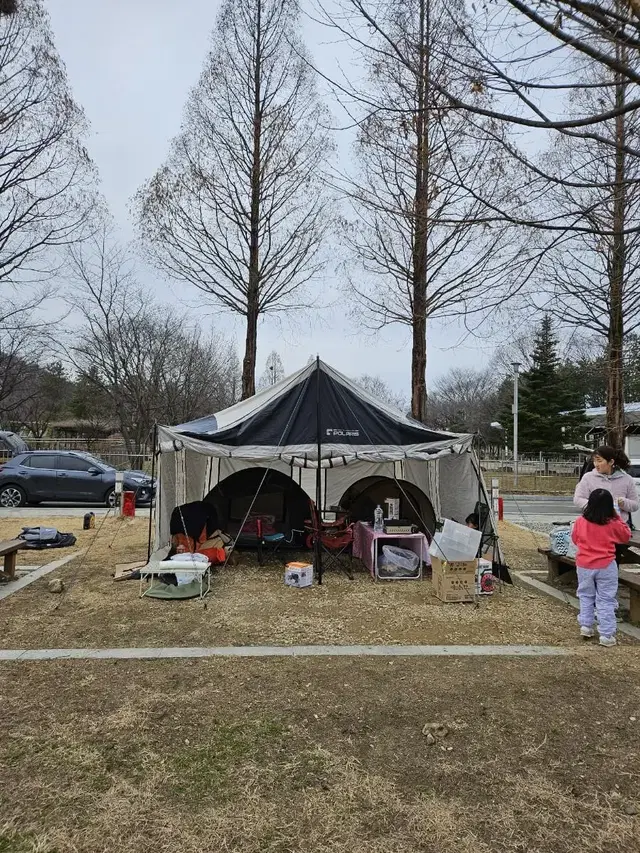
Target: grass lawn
{"type": "Point", "coordinates": [250, 605]}
{"type": "Point", "coordinates": [325, 755]}
{"type": "Point", "coordinates": [534, 484]}
{"type": "Point", "coordinates": [322, 755]}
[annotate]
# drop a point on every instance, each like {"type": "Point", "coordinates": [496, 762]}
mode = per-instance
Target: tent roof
{"type": "Point", "coordinates": [315, 406]}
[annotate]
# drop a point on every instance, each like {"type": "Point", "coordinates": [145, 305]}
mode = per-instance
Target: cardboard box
{"type": "Point", "coordinates": [455, 581]}
{"type": "Point", "coordinates": [298, 575]}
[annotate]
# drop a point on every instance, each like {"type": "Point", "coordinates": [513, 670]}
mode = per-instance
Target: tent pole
{"type": "Point", "coordinates": [318, 545]}
{"type": "Point", "coordinates": [153, 474]}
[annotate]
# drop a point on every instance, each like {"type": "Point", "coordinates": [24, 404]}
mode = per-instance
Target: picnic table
{"type": "Point", "coordinates": [561, 569]}
{"type": "Point", "coordinates": [9, 550]}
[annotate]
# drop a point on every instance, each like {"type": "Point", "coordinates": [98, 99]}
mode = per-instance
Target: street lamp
{"type": "Point", "coordinates": [516, 374]}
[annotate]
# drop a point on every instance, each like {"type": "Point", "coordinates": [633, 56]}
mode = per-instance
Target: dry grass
{"type": "Point", "coordinates": [10, 528]}
{"type": "Point", "coordinates": [321, 755]}
{"type": "Point", "coordinates": [250, 605]}
{"type": "Point", "coordinates": [535, 484]}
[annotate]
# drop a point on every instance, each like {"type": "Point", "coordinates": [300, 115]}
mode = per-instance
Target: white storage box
{"type": "Point", "coordinates": [456, 542]}
{"type": "Point", "coordinates": [298, 575]}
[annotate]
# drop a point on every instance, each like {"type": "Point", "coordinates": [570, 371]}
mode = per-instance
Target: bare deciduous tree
{"type": "Point", "coordinates": [23, 345]}
{"type": "Point", "coordinates": [47, 392]}
{"type": "Point", "coordinates": [239, 209]}
{"type": "Point", "coordinates": [465, 400]}
{"type": "Point", "coordinates": [273, 370]}
{"type": "Point", "coordinates": [376, 386]}
{"type": "Point", "coordinates": [144, 359]}
{"type": "Point", "coordinates": [426, 176]}
{"type": "Point", "coordinates": [44, 169]}
{"type": "Point", "coordinates": [590, 280]}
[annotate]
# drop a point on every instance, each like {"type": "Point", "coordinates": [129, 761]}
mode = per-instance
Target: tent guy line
{"type": "Point", "coordinates": [281, 651]}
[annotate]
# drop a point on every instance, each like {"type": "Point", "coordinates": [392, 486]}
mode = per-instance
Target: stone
{"type": "Point", "coordinates": [631, 809]}
{"type": "Point", "coordinates": [438, 730]}
{"type": "Point", "coordinates": [430, 739]}
{"type": "Point", "coordinates": [55, 585]}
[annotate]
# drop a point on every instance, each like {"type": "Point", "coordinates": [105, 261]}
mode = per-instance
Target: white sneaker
{"type": "Point", "coordinates": [608, 641]}
{"type": "Point", "coordinates": [586, 632]}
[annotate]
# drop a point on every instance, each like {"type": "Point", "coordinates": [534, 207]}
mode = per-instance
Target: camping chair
{"type": "Point", "coordinates": [272, 540]}
{"type": "Point", "coordinates": [335, 537]}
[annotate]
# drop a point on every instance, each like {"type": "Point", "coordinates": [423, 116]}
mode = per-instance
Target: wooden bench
{"type": "Point", "coordinates": [9, 550]}
{"type": "Point", "coordinates": [562, 569]}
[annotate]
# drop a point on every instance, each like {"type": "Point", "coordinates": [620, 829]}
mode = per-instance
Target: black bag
{"type": "Point", "coordinates": [43, 538]}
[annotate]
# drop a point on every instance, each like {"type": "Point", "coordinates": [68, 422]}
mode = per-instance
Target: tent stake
{"type": "Point", "coordinates": [153, 474]}
{"type": "Point", "coordinates": [318, 545]}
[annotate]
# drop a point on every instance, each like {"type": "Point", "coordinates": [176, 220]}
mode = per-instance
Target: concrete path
{"type": "Point", "coordinates": [32, 513]}
{"type": "Point", "coordinates": [534, 584]}
{"type": "Point", "coordinates": [34, 574]}
{"type": "Point", "coordinates": [281, 651]}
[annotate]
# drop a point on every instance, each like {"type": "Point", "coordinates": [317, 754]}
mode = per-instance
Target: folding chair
{"type": "Point", "coordinates": [336, 540]}
{"type": "Point", "coordinates": [272, 540]}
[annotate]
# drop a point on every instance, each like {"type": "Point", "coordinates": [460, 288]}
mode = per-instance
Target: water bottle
{"type": "Point", "coordinates": [378, 520]}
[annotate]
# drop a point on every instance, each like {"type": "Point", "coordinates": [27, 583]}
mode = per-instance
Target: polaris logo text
{"type": "Point", "coordinates": [344, 433]}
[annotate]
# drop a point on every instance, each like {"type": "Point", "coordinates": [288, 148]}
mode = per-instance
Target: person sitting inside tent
{"type": "Point", "coordinates": [193, 528]}
{"type": "Point", "coordinates": [473, 521]}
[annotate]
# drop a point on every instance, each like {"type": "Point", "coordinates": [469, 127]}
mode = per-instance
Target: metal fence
{"type": "Point", "coordinates": [539, 467]}
{"type": "Point", "coordinates": [110, 451]}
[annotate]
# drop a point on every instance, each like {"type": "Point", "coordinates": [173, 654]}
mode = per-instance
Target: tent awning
{"type": "Point", "coordinates": [306, 455]}
{"type": "Point", "coordinates": [315, 407]}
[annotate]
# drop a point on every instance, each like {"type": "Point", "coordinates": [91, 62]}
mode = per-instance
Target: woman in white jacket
{"type": "Point", "coordinates": [609, 472]}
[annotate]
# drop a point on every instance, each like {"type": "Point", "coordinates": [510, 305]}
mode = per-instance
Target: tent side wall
{"type": "Point", "coordinates": [450, 483]}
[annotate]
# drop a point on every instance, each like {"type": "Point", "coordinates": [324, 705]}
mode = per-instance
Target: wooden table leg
{"type": "Point", "coordinates": [553, 570]}
{"type": "Point", "coordinates": [634, 605]}
{"type": "Point", "coordinates": [10, 565]}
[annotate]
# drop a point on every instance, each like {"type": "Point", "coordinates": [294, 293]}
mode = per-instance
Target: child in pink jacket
{"type": "Point", "coordinates": [596, 535]}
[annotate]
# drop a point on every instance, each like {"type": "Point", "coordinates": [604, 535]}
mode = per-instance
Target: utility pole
{"type": "Point", "coordinates": [516, 375]}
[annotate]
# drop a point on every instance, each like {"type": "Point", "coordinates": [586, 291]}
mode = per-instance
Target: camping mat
{"type": "Point", "coordinates": [168, 591]}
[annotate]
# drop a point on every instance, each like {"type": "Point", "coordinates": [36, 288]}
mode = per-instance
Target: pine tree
{"type": "Point", "coordinates": [544, 397]}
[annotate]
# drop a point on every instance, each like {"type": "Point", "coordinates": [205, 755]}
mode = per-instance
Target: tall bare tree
{"type": "Point", "coordinates": [425, 175]}
{"type": "Point", "coordinates": [45, 172]}
{"type": "Point", "coordinates": [273, 370]}
{"type": "Point", "coordinates": [376, 386]}
{"type": "Point", "coordinates": [239, 209]}
{"type": "Point", "coordinates": [591, 280]}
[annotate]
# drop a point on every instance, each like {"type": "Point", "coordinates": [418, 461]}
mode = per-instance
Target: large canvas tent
{"type": "Point", "coordinates": [314, 436]}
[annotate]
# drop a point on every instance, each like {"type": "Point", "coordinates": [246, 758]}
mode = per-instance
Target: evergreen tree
{"type": "Point", "coordinates": [545, 395]}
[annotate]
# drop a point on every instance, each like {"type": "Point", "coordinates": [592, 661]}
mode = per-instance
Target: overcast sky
{"type": "Point", "coordinates": [131, 64]}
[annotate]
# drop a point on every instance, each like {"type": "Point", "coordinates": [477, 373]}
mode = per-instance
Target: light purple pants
{"type": "Point", "coordinates": [597, 589]}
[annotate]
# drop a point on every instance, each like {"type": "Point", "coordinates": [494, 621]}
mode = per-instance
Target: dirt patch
{"type": "Point", "coordinates": [323, 755]}
{"type": "Point", "coordinates": [250, 605]}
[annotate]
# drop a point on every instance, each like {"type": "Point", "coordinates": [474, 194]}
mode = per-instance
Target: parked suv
{"type": "Point", "coordinates": [11, 444]}
{"type": "Point", "coordinates": [59, 475]}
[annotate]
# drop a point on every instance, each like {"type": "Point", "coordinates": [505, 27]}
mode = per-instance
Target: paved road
{"type": "Point", "coordinates": [59, 510]}
{"type": "Point", "coordinates": [520, 509]}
